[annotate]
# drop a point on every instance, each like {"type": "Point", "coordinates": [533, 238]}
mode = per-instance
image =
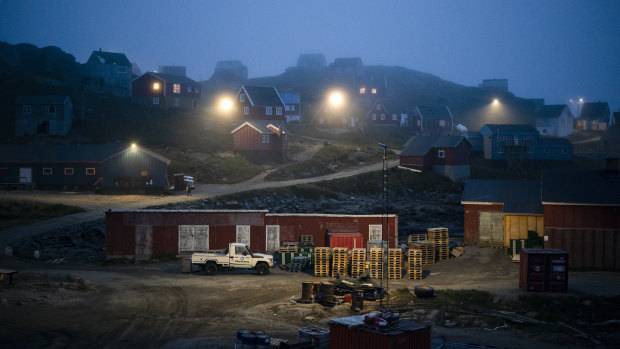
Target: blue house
{"type": "Point", "coordinates": [518, 142]}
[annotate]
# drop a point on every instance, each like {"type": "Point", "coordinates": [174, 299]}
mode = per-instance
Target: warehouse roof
{"type": "Point", "coordinates": [517, 196]}
{"type": "Point", "coordinates": [581, 187]}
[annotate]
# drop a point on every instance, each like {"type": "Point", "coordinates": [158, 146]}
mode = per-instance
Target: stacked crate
{"type": "Point", "coordinates": [428, 251]}
{"type": "Point", "coordinates": [416, 238]}
{"type": "Point", "coordinates": [395, 263]}
{"type": "Point", "coordinates": [321, 262]}
{"type": "Point", "coordinates": [340, 261]}
{"type": "Point", "coordinates": [415, 264]}
{"type": "Point", "coordinates": [358, 262]}
{"type": "Point", "coordinates": [376, 263]}
{"type": "Point", "coordinates": [439, 236]}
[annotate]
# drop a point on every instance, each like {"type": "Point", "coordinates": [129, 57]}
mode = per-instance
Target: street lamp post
{"type": "Point", "coordinates": [384, 223]}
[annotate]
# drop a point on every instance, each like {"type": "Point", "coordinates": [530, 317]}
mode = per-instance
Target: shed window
{"type": "Point", "coordinates": [287, 108]}
{"type": "Point", "coordinates": [374, 116]}
{"type": "Point", "coordinates": [375, 232]}
{"type": "Point", "coordinates": [241, 98]}
{"type": "Point", "coordinates": [293, 107]}
{"type": "Point", "coordinates": [278, 111]}
{"type": "Point", "coordinates": [264, 139]}
{"type": "Point", "coordinates": [68, 171]}
{"type": "Point", "coordinates": [51, 109]}
{"type": "Point", "coordinates": [27, 109]}
{"type": "Point", "coordinates": [197, 89]}
{"type": "Point", "coordinates": [382, 116]}
{"type": "Point", "coordinates": [156, 100]}
{"type": "Point", "coordinates": [441, 154]}
{"type": "Point", "coordinates": [90, 171]}
{"type": "Point", "coordinates": [47, 171]}
{"type": "Point", "coordinates": [442, 123]}
{"type": "Point", "coordinates": [176, 88]}
{"type": "Point", "coordinates": [144, 173]}
{"type": "Point", "coordinates": [268, 110]}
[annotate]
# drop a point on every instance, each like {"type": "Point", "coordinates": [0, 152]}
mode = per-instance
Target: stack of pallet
{"type": "Point", "coordinates": [298, 264]}
{"type": "Point", "coordinates": [340, 261]}
{"type": "Point", "coordinates": [428, 251]}
{"type": "Point", "coordinates": [358, 262]}
{"type": "Point", "coordinates": [439, 236]}
{"type": "Point", "coordinates": [415, 264]}
{"type": "Point", "coordinates": [416, 238]}
{"type": "Point", "coordinates": [395, 263]}
{"type": "Point", "coordinates": [376, 263]}
{"type": "Point", "coordinates": [321, 262]}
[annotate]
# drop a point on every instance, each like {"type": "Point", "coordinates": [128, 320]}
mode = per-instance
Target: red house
{"type": "Point", "coordinates": [260, 140]}
{"type": "Point", "coordinates": [445, 155]}
{"type": "Point", "coordinates": [435, 121]}
{"type": "Point", "coordinates": [165, 91]}
{"type": "Point", "coordinates": [379, 115]}
{"type": "Point", "coordinates": [259, 103]}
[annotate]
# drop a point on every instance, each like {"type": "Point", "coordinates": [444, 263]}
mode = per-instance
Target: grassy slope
{"type": "Point", "coordinates": [25, 212]}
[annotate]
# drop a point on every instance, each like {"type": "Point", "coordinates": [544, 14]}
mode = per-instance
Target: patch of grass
{"type": "Point", "coordinates": [26, 212]}
{"type": "Point", "coordinates": [228, 168]}
{"type": "Point", "coordinates": [590, 309]}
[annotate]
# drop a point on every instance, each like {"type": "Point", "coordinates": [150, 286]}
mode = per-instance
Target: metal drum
{"type": "Point", "coordinates": [248, 341]}
{"type": "Point", "coordinates": [263, 341]}
{"type": "Point", "coordinates": [357, 300]}
{"type": "Point", "coordinates": [326, 292]}
{"type": "Point", "coordinates": [317, 335]}
{"type": "Point", "coordinates": [306, 291]}
{"type": "Point", "coordinates": [240, 333]}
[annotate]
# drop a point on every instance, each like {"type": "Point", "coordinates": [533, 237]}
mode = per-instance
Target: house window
{"type": "Point", "coordinates": [268, 110]}
{"type": "Point", "coordinates": [189, 89]}
{"type": "Point", "coordinates": [156, 100]}
{"type": "Point", "coordinates": [293, 107]}
{"type": "Point", "coordinates": [287, 108]}
{"type": "Point", "coordinates": [500, 149]}
{"type": "Point", "coordinates": [246, 110]}
{"type": "Point", "coordinates": [90, 171]}
{"type": "Point", "coordinates": [321, 121]}
{"type": "Point", "coordinates": [441, 154]}
{"type": "Point", "coordinates": [394, 117]}
{"type": "Point", "coordinates": [378, 106]}
{"type": "Point", "coordinates": [374, 116]}
{"type": "Point", "coordinates": [176, 88]}
{"type": "Point", "coordinates": [68, 171]}
{"type": "Point", "coordinates": [197, 89]}
{"type": "Point", "coordinates": [278, 111]}
{"type": "Point", "coordinates": [176, 101]}
{"type": "Point", "coordinates": [241, 98]}
{"type": "Point", "coordinates": [144, 173]}
{"type": "Point", "coordinates": [47, 171]}
{"type": "Point", "coordinates": [27, 109]}
{"type": "Point", "coordinates": [51, 109]}
{"type": "Point", "coordinates": [442, 123]}
{"type": "Point", "coordinates": [156, 86]}
{"type": "Point", "coordinates": [530, 149]}
{"type": "Point", "coordinates": [374, 91]}
{"type": "Point", "coordinates": [382, 116]}
{"type": "Point", "coordinates": [264, 139]}
{"type": "Point", "coordinates": [516, 139]}
{"type": "Point", "coordinates": [121, 70]}
{"type": "Point", "coordinates": [362, 90]}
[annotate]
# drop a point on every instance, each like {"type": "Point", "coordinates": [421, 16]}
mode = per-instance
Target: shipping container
{"type": "Point", "coordinates": [404, 335]}
{"type": "Point", "coordinates": [543, 270]}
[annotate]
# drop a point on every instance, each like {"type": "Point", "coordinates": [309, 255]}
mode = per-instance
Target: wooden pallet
{"type": "Point", "coordinates": [358, 262]}
{"type": "Point", "coordinates": [395, 263]}
{"type": "Point", "coordinates": [417, 238]}
{"type": "Point", "coordinates": [428, 251]}
{"type": "Point", "coordinates": [375, 262]}
{"type": "Point", "coordinates": [287, 249]}
{"type": "Point", "coordinates": [340, 261]}
{"type": "Point", "coordinates": [414, 264]}
{"type": "Point", "coordinates": [440, 237]}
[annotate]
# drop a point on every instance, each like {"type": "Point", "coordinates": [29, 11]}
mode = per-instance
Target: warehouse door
{"type": "Point", "coordinates": [25, 175]}
{"type": "Point", "coordinates": [272, 235]}
{"type": "Point", "coordinates": [491, 227]}
{"type": "Point", "coordinates": [243, 235]}
{"type": "Point", "coordinates": [144, 241]}
{"type": "Point", "coordinates": [193, 238]}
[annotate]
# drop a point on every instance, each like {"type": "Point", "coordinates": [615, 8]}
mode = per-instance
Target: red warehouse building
{"type": "Point", "coordinates": [146, 233]}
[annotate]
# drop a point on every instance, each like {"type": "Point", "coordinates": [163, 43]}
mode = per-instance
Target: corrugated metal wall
{"type": "Point", "coordinates": [587, 248]}
{"type": "Point", "coordinates": [582, 216]}
{"type": "Point", "coordinates": [129, 163]}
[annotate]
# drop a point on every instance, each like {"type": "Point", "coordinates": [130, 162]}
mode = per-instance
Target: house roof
{"type": "Point", "coordinates": [57, 153]}
{"type": "Point", "coordinates": [543, 140]}
{"type": "Point", "coordinates": [262, 96]}
{"type": "Point", "coordinates": [113, 58]}
{"type": "Point", "coordinates": [261, 126]}
{"type": "Point", "coordinates": [517, 196]}
{"type": "Point", "coordinates": [551, 111]}
{"type": "Point", "coordinates": [580, 187]}
{"type": "Point", "coordinates": [595, 111]}
{"type": "Point", "coordinates": [420, 145]}
{"type": "Point", "coordinates": [290, 97]}
{"type": "Point", "coordinates": [174, 79]}
{"type": "Point", "coordinates": [34, 100]}
{"type": "Point", "coordinates": [475, 139]}
{"type": "Point", "coordinates": [433, 112]}
{"type": "Point", "coordinates": [508, 128]}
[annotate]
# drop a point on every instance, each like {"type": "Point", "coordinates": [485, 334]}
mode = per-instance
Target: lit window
{"type": "Point", "coordinates": [441, 154]}
{"type": "Point", "coordinates": [264, 139]}
{"type": "Point", "coordinates": [144, 173]}
{"type": "Point", "coordinates": [374, 116]}
{"type": "Point", "coordinates": [47, 171]}
{"type": "Point", "coordinates": [378, 106]}
{"type": "Point", "coordinates": [374, 91]}
{"type": "Point", "coordinates": [68, 171]}
{"type": "Point", "coordinates": [394, 117]}
{"type": "Point", "coordinates": [27, 109]}
{"type": "Point", "coordinates": [246, 110]}
{"type": "Point", "coordinates": [442, 123]}
{"type": "Point", "coordinates": [268, 110]}
{"type": "Point", "coordinates": [51, 109]}
{"type": "Point", "coordinates": [121, 70]}
{"type": "Point", "coordinates": [278, 111]}
{"type": "Point", "coordinates": [155, 100]}
{"type": "Point", "coordinates": [362, 90]}
{"type": "Point", "coordinates": [176, 88]}
{"type": "Point", "coordinates": [241, 98]}
{"type": "Point", "coordinates": [90, 171]}
{"type": "Point", "coordinates": [156, 86]}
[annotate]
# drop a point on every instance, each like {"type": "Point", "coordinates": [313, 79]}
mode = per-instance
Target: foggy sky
{"type": "Point", "coordinates": [546, 49]}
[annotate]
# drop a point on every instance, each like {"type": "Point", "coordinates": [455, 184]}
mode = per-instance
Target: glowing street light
{"type": "Point", "coordinates": [496, 101]}
{"type": "Point", "coordinates": [226, 104]}
{"type": "Point", "coordinates": [336, 99]}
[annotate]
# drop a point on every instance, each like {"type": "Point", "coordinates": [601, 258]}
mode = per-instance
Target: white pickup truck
{"type": "Point", "coordinates": [237, 256]}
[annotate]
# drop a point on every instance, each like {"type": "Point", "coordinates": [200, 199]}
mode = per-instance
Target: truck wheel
{"type": "Point", "coordinates": [424, 291]}
{"type": "Point", "coordinates": [262, 269]}
{"type": "Point", "coordinates": [211, 268]}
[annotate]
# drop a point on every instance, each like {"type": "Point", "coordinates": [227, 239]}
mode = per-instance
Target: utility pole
{"type": "Point", "coordinates": [385, 227]}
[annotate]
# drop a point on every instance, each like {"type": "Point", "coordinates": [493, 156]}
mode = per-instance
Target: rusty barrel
{"type": "Point", "coordinates": [326, 292]}
{"type": "Point", "coordinates": [307, 289]}
{"type": "Point", "coordinates": [357, 300]}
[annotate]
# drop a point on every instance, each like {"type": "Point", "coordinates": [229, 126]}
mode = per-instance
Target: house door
{"type": "Point", "coordinates": [491, 227]}
{"type": "Point", "coordinates": [144, 241]}
{"type": "Point", "coordinates": [25, 175]}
